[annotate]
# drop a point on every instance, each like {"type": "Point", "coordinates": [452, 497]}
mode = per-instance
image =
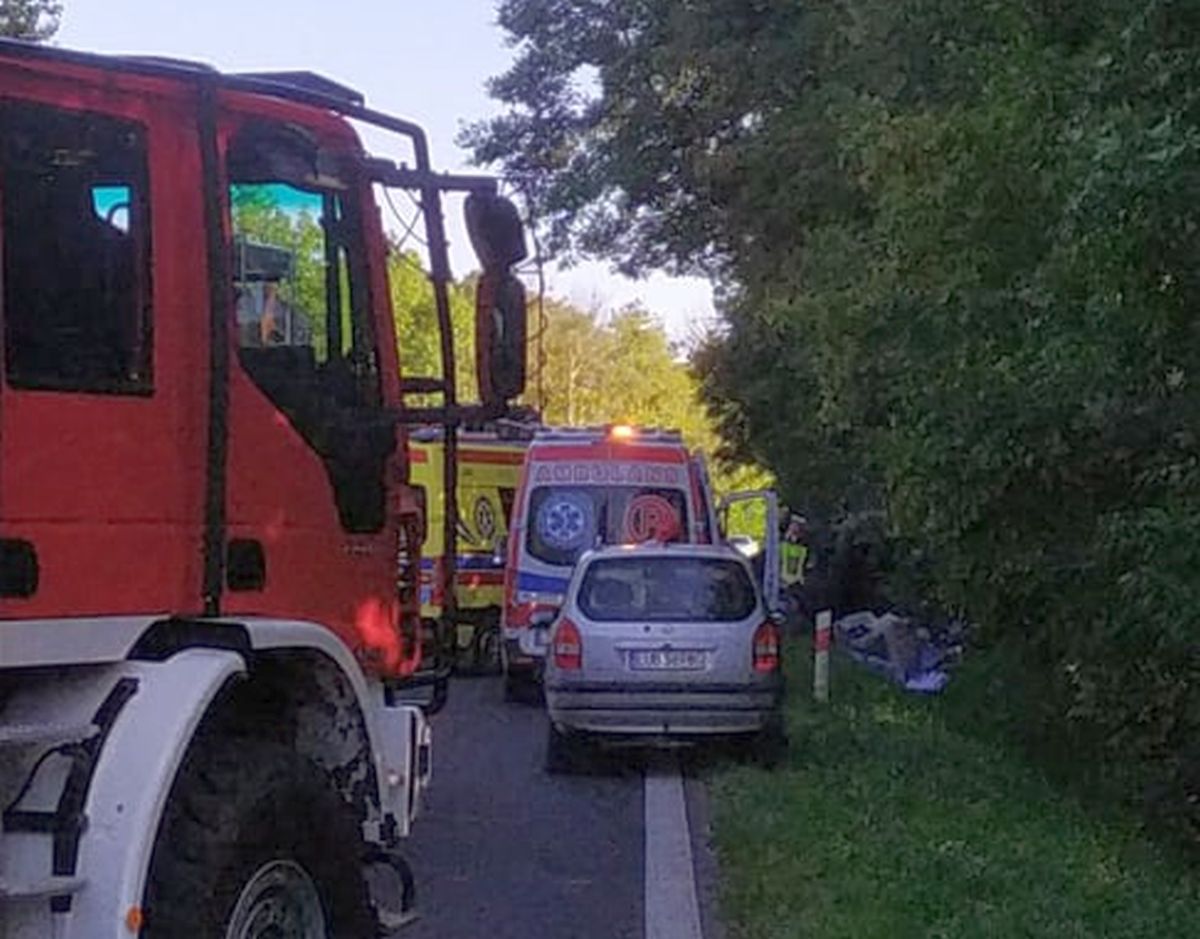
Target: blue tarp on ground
{"type": "Point", "coordinates": [910, 655]}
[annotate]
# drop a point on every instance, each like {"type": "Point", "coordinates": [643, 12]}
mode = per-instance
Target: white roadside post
{"type": "Point", "coordinates": [822, 638]}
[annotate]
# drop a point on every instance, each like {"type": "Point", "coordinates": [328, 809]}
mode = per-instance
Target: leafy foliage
{"type": "Point", "coordinates": [624, 369]}
{"type": "Point", "coordinates": [596, 370]}
{"type": "Point", "coordinates": [417, 335]}
{"type": "Point", "coordinates": [32, 20]}
{"type": "Point", "coordinates": [957, 243]}
{"type": "Point", "coordinates": [259, 218]}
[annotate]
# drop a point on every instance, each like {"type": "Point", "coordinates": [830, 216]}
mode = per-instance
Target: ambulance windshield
{"type": "Point", "coordinates": [566, 520]}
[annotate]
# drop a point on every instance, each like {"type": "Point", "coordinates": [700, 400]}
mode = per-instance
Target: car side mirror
{"type": "Point", "coordinates": [500, 550]}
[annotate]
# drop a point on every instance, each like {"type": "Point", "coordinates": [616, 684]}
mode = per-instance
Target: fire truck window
{"type": "Point", "coordinates": [297, 288]}
{"type": "Point", "coordinates": [76, 267]}
{"type": "Point", "coordinates": [279, 268]}
{"type": "Point", "coordinates": [303, 313]}
{"type": "Point", "coordinates": [111, 205]}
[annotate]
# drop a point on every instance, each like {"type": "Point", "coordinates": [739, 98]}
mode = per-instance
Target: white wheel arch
{"type": "Point", "coordinates": [149, 737]}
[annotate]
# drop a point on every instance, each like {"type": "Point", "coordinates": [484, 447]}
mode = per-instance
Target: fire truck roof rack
{"type": "Point", "coordinates": [299, 87]}
{"type": "Point", "coordinates": [302, 87]}
{"type": "Point", "coordinates": [310, 81]}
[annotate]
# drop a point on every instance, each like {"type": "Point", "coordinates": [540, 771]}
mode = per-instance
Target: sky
{"type": "Point", "coordinates": [425, 60]}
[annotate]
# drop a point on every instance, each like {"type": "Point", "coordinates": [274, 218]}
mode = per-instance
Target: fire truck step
{"type": "Point", "coordinates": [40, 890]}
{"type": "Point", "coordinates": [46, 735]}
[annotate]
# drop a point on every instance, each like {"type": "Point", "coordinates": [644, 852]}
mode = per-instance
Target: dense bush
{"type": "Point", "coordinates": [959, 247]}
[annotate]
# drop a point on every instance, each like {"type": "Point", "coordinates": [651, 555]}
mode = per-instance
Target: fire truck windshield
{"type": "Point", "coordinates": [76, 251]}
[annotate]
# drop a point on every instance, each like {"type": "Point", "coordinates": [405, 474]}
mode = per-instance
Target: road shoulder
{"type": "Point", "coordinates": [704, 855]}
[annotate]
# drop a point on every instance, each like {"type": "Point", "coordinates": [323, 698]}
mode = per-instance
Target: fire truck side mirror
{"type": "Point", "coordinates": [498, 237]}
{"type": "Point", "coordinates": [496, 231]}
{"type": "Point", "coordinates": [500, 324]}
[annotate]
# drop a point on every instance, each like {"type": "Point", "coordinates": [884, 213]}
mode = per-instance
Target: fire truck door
{"type": "Point", "coordinates": [311, 532]}
{"type": "Point", "coordinates": [104, 311]}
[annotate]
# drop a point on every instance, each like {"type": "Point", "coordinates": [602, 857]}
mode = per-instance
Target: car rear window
{"type": "Point", "coordinates": [667, 589]}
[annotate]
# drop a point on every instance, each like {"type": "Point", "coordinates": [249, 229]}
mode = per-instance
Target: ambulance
{"type": "Point", "coordinates": [583, 487]}
{"type": "Point", "coordinates": [489, 468]}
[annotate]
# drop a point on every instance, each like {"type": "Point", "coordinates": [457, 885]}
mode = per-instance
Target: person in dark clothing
{"type": "Point", "coordinates": [856, 569]}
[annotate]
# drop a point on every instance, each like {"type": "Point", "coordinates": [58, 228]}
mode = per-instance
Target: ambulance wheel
{"type": "Point", "coordinates": [520, 684]}
{"type": "Point", "coordinates": [237, 858]}
{"type": "Point", "coordinates": [519, 689]}
{"type": "Point", "coordinates": [486, 649]}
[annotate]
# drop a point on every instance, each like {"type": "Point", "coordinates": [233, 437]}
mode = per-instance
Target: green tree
{"type": "Point", "coordinates": [623, 369]}
{"type": "Point", "coordinates": [956, 248]}
{"type": "Point", "coordinates": [259, 218]}
{"type": "Point", "coordinates": [574, 387]}
{"type": "Point", "coordinates": [31, 20]}
{"type": "Point", "coordinates": [418, 338]}
{"type": "Point", "coordinates": [596, 370]}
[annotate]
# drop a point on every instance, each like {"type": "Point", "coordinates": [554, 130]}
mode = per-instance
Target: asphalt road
{"type": "Point", "coordinates": [504, 851]}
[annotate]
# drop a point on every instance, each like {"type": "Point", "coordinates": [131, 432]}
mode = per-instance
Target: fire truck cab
{"type": "Point", "coordinates": [209, 544]}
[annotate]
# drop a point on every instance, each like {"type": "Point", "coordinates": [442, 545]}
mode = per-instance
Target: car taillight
{"type": "Point", "coordinates": [766, 647]}
{"type": "Point", "coordinates": [568, 645]}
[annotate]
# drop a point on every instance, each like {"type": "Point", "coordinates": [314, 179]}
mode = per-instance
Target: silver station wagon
{"type": "Point", "coordinates": [662, 644]}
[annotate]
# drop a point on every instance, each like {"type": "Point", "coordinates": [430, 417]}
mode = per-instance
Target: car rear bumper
{"type": "Point", "coordinates": [663, 710]}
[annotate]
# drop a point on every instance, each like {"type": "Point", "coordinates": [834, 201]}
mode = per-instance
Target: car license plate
{"type": "Point", "coordinates": [666, 660]}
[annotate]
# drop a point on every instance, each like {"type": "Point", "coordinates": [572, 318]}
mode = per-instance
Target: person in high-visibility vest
{"type": "Point", "coordinates": [793, 553]}
{"type": "Point", "coordinates": [793, 559]}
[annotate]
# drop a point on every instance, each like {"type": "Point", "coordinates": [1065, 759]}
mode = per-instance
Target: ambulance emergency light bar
{"type": "Point", "coordinates": [617, 433]}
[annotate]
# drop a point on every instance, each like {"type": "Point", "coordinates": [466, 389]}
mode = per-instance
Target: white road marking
{"type": "Point", "coordinates": [672, 910]}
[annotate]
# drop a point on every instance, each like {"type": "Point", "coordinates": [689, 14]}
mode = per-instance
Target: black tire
{"type": "Point", "coordinates": [511, 689]}
{"type": "Point", "coordinates": [237, 807]}
{"type": "Point", "coordinates": [485, 650]}
{"type": "Point", "coordinates": [521, 688]}
{"type": "Point", "coordinates": [566, 754]}
{"type": "Point", "coordinates": [769, 747]}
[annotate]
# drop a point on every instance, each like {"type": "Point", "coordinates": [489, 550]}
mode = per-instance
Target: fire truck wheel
{"type": "Point", "coordinates": [255, 843]}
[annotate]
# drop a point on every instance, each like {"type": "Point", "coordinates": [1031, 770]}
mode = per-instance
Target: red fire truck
{"type": "Point", "coordinates": [209, 546]}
